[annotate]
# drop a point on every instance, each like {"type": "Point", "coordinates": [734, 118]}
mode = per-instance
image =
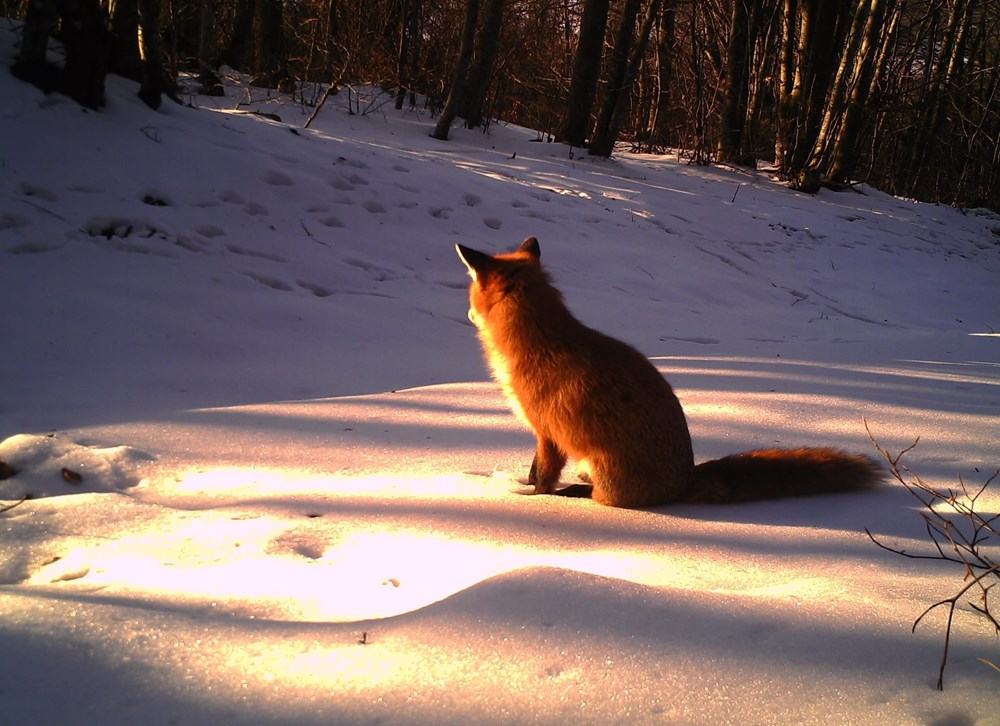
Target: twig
{"type": "Point", "coordinates": [19, 502]}
{"type": "Point", "coordinates": [951, 541]}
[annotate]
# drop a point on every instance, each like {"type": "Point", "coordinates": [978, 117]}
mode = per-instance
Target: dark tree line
{"type": "Point", "coordinates": [902, 94]}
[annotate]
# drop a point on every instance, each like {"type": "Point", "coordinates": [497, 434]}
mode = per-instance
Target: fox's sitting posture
{"type": "Point", "coordinates": [600, 401]}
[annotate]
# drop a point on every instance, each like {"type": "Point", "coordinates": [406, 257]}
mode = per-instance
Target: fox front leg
{"type": "Point", "coordinates": [546, 467]}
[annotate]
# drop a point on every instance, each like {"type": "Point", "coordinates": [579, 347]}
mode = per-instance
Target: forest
{"type": "Point", "coordinates": [903, 95]}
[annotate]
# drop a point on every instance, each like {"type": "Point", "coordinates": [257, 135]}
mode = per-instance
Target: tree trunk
{"type": "Point", "coordinates": [124, 58]}
{"type": "Point", "coordinates": [458, 82]}
{"type": "Point", "coordinates": [407, 60]}
{"type": "Point", "coordinates": [87, 39]}
{"type": "Point", "coordinates": [784, 138]}
{"type": "Point", "coordinates": [839, 154]}
{"type": "Point", "coordinates": [586, 72]}
{"type": "Point", "coordinates": [603, 141]}
{"type": "Point", "coordinates": [239, 50]}
{"type": "Point", "coordinates": [152, 85]}
{"type": "Point", "coordinates": [820, 35]}
{"type": "Point", "coordinates": [949, 60]}
{"type": "Point", "coordinates": [736, 94]}
{"type": "Point", "coordinates": [270, 63]}
{"type": "Point", "coordinates": [471, 105]}
{"type": "Point", "coordinates": [659, 127]}
{"type": "Point", "coordinates": [31, 64]}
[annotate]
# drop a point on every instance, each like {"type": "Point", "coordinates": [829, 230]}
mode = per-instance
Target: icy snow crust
{"type": "Point", "coordinates": [297, 496]}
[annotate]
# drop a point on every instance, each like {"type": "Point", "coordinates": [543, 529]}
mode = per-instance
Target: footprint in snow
{"type": "Point", "coordinates": [276, 178]}
{"type": "Point", "coordinates": [246, 252]}
{"type": "Point", "coordinates": [155, 198]}
{"type": "Point", "coordinates": [30, 190]}
{"type": "Point", "coordinates": [10, 220]}
{"type": "Point", "coordinates": [267, 281]}
{"type": "Point", "coordinates": [492, 222]}
{"type": "Point", "coordinates": [341, 184]}
{"type": "Point", "coordinates": [472, 200]}
{"type": "Point", "coordinates": [210, 231]}
{"type": "Point", "coordinates": [317, 290]}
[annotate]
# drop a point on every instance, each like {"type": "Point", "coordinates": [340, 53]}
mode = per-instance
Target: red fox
{"type": "Point", "coordinates": [591, 397]}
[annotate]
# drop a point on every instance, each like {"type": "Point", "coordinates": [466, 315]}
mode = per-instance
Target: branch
{"type": "Point", "coordinates": [945, 512]}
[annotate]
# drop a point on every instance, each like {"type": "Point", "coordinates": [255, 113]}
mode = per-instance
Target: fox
{"type": "Point", "coordinates": [590, 397]}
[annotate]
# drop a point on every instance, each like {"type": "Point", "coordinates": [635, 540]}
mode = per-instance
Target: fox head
{"type": "Point", "coordinates": [496, 277]}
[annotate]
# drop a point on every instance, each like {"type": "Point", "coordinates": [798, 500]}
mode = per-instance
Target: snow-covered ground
{"type": "Point", "coordinates": [297, 497]}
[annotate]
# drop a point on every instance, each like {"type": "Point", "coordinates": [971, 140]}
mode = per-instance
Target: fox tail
{"type": "Point", "coordinates": [777, 473]}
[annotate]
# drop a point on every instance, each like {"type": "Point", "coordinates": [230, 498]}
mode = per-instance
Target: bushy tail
{"type": "Point", "coordinates": [776, 473]}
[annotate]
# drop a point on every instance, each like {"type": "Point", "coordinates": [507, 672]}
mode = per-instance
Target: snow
{"type": "Point", "coordinates": [299, 496]}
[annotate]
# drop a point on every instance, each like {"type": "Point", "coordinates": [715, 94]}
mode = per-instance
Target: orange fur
{"type": "Point", "coordinates": [596, 399]}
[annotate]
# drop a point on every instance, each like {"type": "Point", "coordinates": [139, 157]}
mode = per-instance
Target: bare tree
{"type": "Point", "coordinates": [586, 72]}
{"type": "Point", "coordinates": [743, 30]}
{"type": "Point", "coordinates": [617, 86]}
{"type": "Point", "coordinates": [408, 59]}
{"type": "Point", "coordinates": [459, 80]}
{"type": "Point", "coordinates": [475, 67]}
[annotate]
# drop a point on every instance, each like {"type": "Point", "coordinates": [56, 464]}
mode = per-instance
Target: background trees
{"type": "Point", "coordinates": [903, 94]}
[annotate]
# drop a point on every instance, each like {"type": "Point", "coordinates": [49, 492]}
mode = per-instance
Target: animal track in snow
{"type": "Point", "coordinates": [440, 212]}
{"type": "Point", "coordinates": [373, 206]}
{"type": "Point", "coordinates": [341, 184]}
{"type": "Point", "coordinates": [472, 200]}
{"type": "Point", "coordinates": [155, 198]}
{"type": "Point", "coordinates": [32, 248]}
{"type": "Point", "coordinates": [352, 162]}
{"type": "Point", "coordinates": [237, 250]}
{"type": "Point", "coordinates": [255, 209]}
{"type": "Point", "coordinates": [317, 290]}
{"type": "Point", "coordinates": [210, 230]}
{"type": "Point", "coordinates": [276, 178]}
{"type": "Point", "coordinates": [9, 220]}
{"type": "Point", "coordinates": [267, 281]}
{"type": "Point", "coordinates": [331, 222]}
{"type": "Point", "coordinates": [231, 197]}
{"type": "Point", "coordinates": [492, 222]}
{"type": "Point", "coordinates": [29, 190]}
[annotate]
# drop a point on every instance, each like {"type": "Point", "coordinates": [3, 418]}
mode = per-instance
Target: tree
{"type": "Point", "coordinates": [457, 90]}
{"type": "Point", "coordinates": [151, 81]}
{"type": "Point", "coordinates": [271, 62]}
{"type": "Point", "coordinates": [474, 69]}
{"type": "Point", "coordinates": [408, 59]}
{"type": "Point", "coordinates": [31, 64]}
{"type": "Point", "coordinates": [621, 75]}
{"type": "Point", "coordinates": [743, 31]}
{"type": "Point", "coordinates": [804, 89]}
{"type": "Point", "coordinates": [861, 67]}
{"type": "Point", "coordinates": [586, 72]}
{"type": "Point", "coordinates": [471, 104]}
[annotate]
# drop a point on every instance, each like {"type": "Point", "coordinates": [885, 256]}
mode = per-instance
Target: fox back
{"type": "Point", "coordinates": [584, 394]}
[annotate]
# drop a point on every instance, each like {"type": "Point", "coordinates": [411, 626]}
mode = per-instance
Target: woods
{"type": "Point", "coordinates": [900, 94]}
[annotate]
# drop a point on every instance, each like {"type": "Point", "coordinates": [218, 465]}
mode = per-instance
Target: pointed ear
{"type": "Point", "coordinates": [477, 262]}
{"type": "Point", "coordinates": [530, 246]}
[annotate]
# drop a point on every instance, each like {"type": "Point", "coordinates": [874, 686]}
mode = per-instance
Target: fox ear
{"type": "Point", "coordinates": [477, 262]}
{"type": "Point", "coordinates": [530, 246]}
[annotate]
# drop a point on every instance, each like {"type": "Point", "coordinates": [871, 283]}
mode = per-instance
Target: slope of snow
{"type": "Point", "coordinates": [272, 484]}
